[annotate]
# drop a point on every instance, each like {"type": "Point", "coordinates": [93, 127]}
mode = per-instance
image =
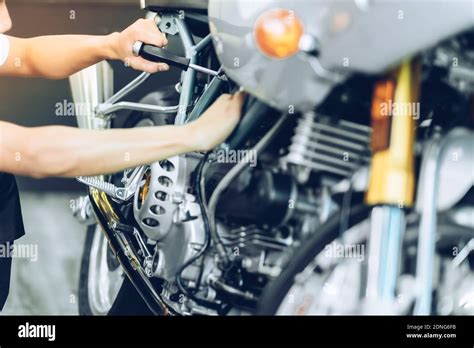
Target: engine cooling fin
{"type": "Point", "coordinates": [321, 143]}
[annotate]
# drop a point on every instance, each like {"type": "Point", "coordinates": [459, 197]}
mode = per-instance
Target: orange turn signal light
{"type": "Point", "coordinates": [278, 33]}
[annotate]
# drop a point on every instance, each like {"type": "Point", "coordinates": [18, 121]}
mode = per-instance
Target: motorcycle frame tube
{"type": "Point", "coordinates": [111, 108]}
{"type": "Point", "coordinates": [188, 80]}
{"type": "Point", "coordinates": [385, 244]}
{"type": "Point", "coordinates": [107, 216]}
{"type": "Point", "coordinates": [207, 98]}
{"type": "Point", "coordinates": [128, 88]}
{"type": "Point", "coordinates": [392, 258]}
{"type": "Point", "coordinates": [189, 76]}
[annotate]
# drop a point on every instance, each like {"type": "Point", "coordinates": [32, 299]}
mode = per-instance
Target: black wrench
{"type": "Point", "coordinates": [161, 55]}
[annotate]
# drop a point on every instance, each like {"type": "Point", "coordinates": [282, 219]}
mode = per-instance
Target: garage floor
{"type": "Point", "coordinates": [49, 284]}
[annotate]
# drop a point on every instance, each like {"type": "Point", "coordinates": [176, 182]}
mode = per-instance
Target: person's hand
{"type": "Point", "coordinates": [217, 122]}
{"type": "Point", "coordinates": [144, 30]}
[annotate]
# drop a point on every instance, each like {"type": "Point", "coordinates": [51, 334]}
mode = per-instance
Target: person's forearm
{"type": "Point", "coordinates": [56, 56]}
{"type": "Point", "coordinates": [68, 152]}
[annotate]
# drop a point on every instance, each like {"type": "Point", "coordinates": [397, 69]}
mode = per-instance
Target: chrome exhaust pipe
{"type": "Point", "coordinates": [90, 87]}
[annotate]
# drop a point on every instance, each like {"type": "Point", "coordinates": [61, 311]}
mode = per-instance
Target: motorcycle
{"type": "Point", "coordinates": [347, 187]}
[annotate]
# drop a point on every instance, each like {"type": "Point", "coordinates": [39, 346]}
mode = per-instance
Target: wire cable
{"type": "Point", "coordinates": [226, 180]}
{"type": "Point", "coordinates": [200, 253]}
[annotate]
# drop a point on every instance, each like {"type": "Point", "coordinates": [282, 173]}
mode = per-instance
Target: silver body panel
{"type": "Point", "coordinates": [371, 37]}
{"type": "Point", "coordinates": [456, 166]}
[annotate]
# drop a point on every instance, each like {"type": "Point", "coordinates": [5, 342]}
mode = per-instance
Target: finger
{"type": "Point", "coordinates": [156, 18]}
{"type": "Point", "coordinates": [163, 35]}
{"type": "Point", "coordinates": [225, 97]}
{"type": "Point", "coordinates": [239, 98]}
{"type": "Point", "coordinates": [153, 35]}
{"type": "Point", "coordinates": [139, 63]}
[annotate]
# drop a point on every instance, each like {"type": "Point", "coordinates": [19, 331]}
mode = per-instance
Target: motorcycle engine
{"type": "Point", "coordinates": [261, 216]}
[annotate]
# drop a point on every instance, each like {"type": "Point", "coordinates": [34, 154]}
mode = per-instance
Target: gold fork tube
{"type": "Point", "coordinates": [392, 178]}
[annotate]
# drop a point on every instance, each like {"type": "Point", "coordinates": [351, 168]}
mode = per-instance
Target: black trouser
{"type": "Point", "coordinates": [5, 273]}
{"type": "Point", "coordinates": [11, 228]}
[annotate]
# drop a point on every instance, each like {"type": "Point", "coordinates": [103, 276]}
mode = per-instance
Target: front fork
{"type": "Point", "coordinates": [391, 188]}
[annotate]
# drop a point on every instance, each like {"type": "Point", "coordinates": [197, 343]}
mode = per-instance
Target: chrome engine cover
{"type": "Point", "coordinates": [166, 201]}
{"type": "Point", "coordinates": [155, 210]}
{"type": "Point", "coordinates": [169, 216]}
{"type": "Point", "coordinates": [343, 31]}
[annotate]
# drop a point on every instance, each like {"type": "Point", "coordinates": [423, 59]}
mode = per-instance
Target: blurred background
{"type": "Point", "coordinates": [49, 285]}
